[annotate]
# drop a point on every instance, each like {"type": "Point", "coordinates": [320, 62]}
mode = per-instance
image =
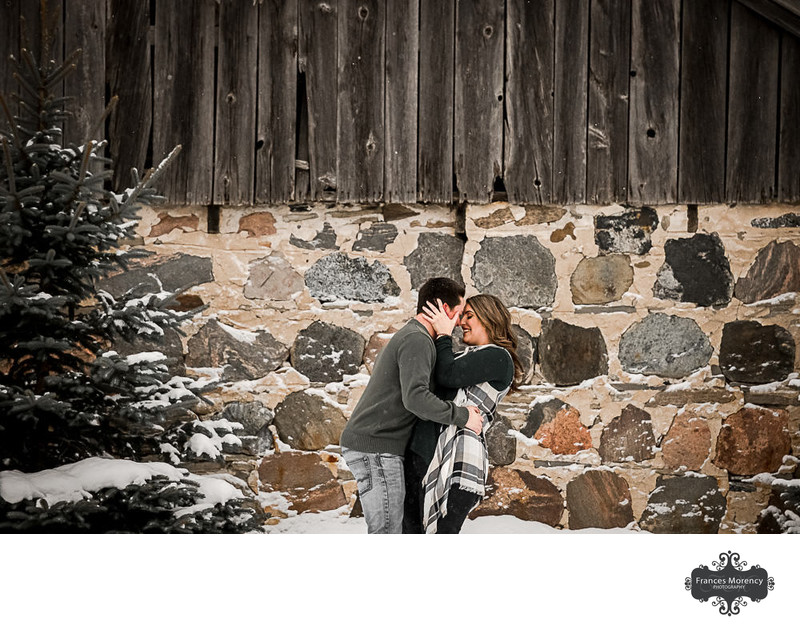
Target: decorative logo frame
{"type": "Point", "coordinates": [730, 585]}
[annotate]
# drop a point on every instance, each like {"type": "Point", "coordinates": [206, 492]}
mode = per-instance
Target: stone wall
{"type": "Point", "coordinates": [661, 346]}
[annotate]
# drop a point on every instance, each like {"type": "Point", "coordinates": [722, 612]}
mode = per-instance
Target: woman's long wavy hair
{"type": "Point", "coordinates": [496, 318]}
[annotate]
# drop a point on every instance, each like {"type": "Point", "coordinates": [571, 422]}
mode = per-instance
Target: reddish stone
{"type": "Point", "coordinates": [168, 223]}
{"type": "Point", "coordinates": [290, 471]}
{"type": "Point", "coordinates": [258, 224]}
{"type": "Point", "coordinates": [599, 498]}
{"type": "Point", "coordinates": [304, 479]}
{"type": "Point", "coordinates": [565, 434]}
{"type": "Point", "coordinates": [628, 437]}
{"type": "Point", "coordinates": [753, 440]}
{"type": "Point", "coordinates": [687, 443]}
{"type": "Point", "coordinates": [376, 344]}
{"type": "Point", "coordinates": [521, 494]}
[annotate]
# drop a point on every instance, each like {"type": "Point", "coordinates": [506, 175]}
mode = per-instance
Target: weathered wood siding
{"type": "Point", "coordinates": [534, 101]}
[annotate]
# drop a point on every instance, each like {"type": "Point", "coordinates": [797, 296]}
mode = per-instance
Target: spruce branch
{"type": "Point", "coordinates": [112, 104]}
{"type": "Point", "coordinates": [12, 182]}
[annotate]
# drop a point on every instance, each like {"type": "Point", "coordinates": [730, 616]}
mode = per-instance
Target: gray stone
{"type": "Point", "coordinates": [775, 271]}
{"type": "Point", "coordinates": [628, 437]}
{"type": "Point", "coordinates": [325, 353]}
{"type": "Point", "coordinates": [754, 353]}
{"type": "Point", "coordinates": [517, 269]}
{"type": "Point", "coordinates": [601, 280]}
{"type": "Point", "coordinates": [253, 416]}
{"type": "Point", "coordinates": [788, 220]}
{"type": "Point", "coordinates": [338, 277]}
{"type": "Point", "coordinates": [308, 422]}
{"type": "Point", "coordinates": [684, 504]}
{"type": "Point", "coordinates": [273, 278]}
{"type": "Point", "coordinates": [436, 255]}
{"type": "Point", "coordinates": [324, 240]}
{"type": "Point", "coordinates": [664, 345]}
{"type": "Point", "coordinates": [156, 274]}
{"type": "Point", "coordinates": [570, 354]}
{"type": "Point", "coordinates": [245, 355]}
{"type": "Point", "coordinates": [376, 237]}
{"type": "Point", "coordinates": [599, 499]}
{"type": "Point", "coordinates": [695, 270]}
{"type": "Point", "coordinates": [527, 352]}
{"type": "Point", "coordinates": [626, 233]}
{"type": "Point", "coordinates": [502, 447]}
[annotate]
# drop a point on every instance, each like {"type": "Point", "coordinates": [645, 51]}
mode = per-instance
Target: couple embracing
{"type": "Point", "coordinates": [415, 442]}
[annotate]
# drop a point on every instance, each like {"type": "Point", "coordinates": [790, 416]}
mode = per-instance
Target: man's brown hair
{"type": "Point", "coordinates": [449, 291]}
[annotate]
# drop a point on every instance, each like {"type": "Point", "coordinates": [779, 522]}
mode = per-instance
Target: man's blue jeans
{"type": "Point", "coordinates": [381, 487]}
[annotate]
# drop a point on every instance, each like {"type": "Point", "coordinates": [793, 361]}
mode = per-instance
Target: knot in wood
{"type": "Point", "coordinates": [488, 31]}
{"type": "Point", "coordinates": [230, 97]}
{"type": "Point", "coordinates": [363, 12]}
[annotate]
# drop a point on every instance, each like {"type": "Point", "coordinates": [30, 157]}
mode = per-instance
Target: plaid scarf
{"type": "Point", "coordinates": [461, 457]}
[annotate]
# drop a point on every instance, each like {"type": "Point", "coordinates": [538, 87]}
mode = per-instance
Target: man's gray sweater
{"type": "Point", "coordinates": [399, 391]}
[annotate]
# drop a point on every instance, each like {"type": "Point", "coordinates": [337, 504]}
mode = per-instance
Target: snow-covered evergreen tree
{"type": "Point", "coordinates": [64, 393]}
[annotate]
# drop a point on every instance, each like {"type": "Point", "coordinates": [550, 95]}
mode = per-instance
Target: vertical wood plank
{"type": "Point", "coordinates": [318, 61]}
{"type": "Point", "coordinates": [402, 56]}
{"type": "Point", "coordinates": [234, 138]}
{"type": "Point", "coordinates": [528, 138]}
{"type": "Point", "coordinates": [436, 82]}
{"type": "Point", "coordinates": [704, 69]}
{"type": "Point", "coordinates": [42, 29]}
{"type": "Point", "coordinates": [752, 107]}
{"type": "Point", "coordinates": [128, 65]}
{"type": "Point", "coordinates": [277, 101]}
{"type": "Point", "coordinates": [789, 151]}
{"type": "Point", "coordinates": [360, 139]}
{"type": "Point", "coordinates": [478, 135]}
{"type": "Point", "coordinates": [609, 76]}
{"type": "Point", "coordinates": [9, 45]}
{"type": "Point", "coordinates": [653, 128]}
{"type": "Point", "coordinates": [85, 28]}
{"type": "Point", "coordinates": [183, 112]}
{"type": "Point", "coordinates": [570, 106]}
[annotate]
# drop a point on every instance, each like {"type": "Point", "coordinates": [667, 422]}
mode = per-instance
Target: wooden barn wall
{"type": "Point", "coordinates": [536, 101]}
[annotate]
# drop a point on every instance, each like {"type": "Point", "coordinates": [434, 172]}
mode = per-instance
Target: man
{"type": "Point", "coordinates": [399, 391]}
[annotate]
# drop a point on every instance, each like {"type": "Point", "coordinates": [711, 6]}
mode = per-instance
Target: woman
{"type": "Point", "coordinates": [480, 376]}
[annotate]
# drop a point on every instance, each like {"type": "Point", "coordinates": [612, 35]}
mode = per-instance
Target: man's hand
{"type": "Point", "coordinates": [475, 422]}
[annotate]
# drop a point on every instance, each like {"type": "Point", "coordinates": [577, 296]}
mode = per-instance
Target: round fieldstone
{"type": "Point", "coordinates": [527, 352]}
{"type": "Point", "coordinates": [436, 255]}
{"type": "Point", "coordinates": [601, 280]}
{"type": "Point", "coordinates": [157, 274]}
{"type": "Point", "coordinates": [695, 270]}
{"type": "Point", "coordinates": [376, 237]}
{"type": "Point", "coordinates": [775, 271]}
{"type": "Point", "coordinates": [273, 278]}
{"type": "Point", "coordinates": [502, 447]}
{"type": "Point", "coordinates": [245, 355]}
{"type": "Point", "coordinates": [687, 442]}
{"type": "Point", "coordinates": [303, 479]}
{"type": "Point", "coordinates": [753, 353]}
{"type": "Point", "coordinates": [628, 437]}
{"type": "Point", "coordinates": [518, 269]}
{"type": "Point", "coordinates": [629, 232]}
{"type": "Point", "coordinates": [787, 220]}
{"type": "Point", "coordinates": [684, 504]}
{"type": "Point", "coordinates": [669, 346]}
{"type": "Point", "coordinates": [753, 440]}
{"type": "Point", "coordinates": [338, 277]}
{"type": "Point", "coordinates": [570, 354]}
{"type": "Point", "coordinates": [326, 353]}
{"type": "Point", "coordinates": [599, 499]}
{"type": "Point", "coordinates": [560, 430]}
{"type": "Point", "coordinates": [521, 494]}
{"type": "Point", "coordinates": [541, 413]}
{"type": "Point", "coordinates": [324, 240]}
{"type": "Point", "coordinates": [307, 421]}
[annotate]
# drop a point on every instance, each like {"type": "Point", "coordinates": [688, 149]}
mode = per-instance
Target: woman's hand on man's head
{"type": "Point", "coordinates": [438, 318]}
